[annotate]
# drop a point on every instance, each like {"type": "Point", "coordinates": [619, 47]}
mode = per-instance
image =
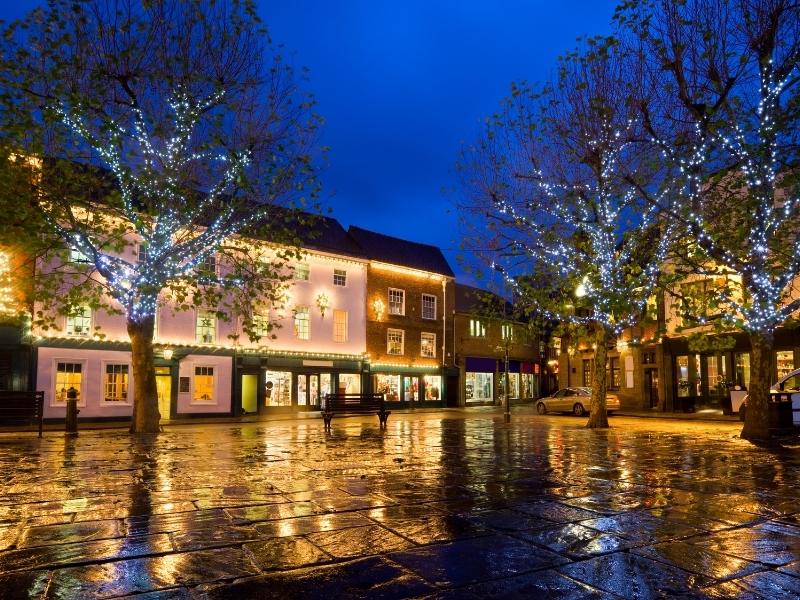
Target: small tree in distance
{"type": "Point", "coordinates": [555, 212]}
{"type": "Point", "coordinates": [158, 137]}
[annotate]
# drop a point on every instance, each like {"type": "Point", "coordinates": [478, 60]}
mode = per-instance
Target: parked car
{"type": "Point", "coordinates": [787, 383]}
{"type": "Point", "coordinates": [575, 400]}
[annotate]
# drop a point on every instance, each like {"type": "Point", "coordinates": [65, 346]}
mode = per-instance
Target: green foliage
{"type": "Point", "coordinates": [149, 138]}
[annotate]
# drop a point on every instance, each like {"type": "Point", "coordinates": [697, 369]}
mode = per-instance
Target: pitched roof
{"type": "Point", "coordinates": [392, 250]}
{"type": "Point", "coordinates": [470, 299]}
{"type": "Point", "coordinates": [326, 234]}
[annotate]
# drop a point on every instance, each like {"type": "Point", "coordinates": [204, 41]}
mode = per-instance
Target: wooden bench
{"type": "Point", "coordinates": [22, 406]}
{"type": "Point", "coordinates": [351, 405]}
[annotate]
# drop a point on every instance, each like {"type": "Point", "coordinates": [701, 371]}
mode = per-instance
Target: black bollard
{"type": "Point", "coordinates": [71, 421]}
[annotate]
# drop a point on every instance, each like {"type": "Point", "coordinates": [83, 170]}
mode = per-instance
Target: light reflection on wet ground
{"type": "Point", "coordinates": [441, 504]}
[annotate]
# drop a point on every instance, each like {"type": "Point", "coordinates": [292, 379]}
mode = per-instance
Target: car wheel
{"type": "Point", "coordinates": [541, 408]}
{"type": "Point", "coordinates": [578, 410]}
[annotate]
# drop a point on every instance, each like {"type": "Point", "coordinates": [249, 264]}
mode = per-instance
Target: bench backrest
{"type": "Point", "coordinates": [21, 405]}
{"type": "Point", "coordinates": [339, 402]}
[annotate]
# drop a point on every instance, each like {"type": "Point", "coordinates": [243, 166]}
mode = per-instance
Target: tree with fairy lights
{"type": "Point", "coordinates": [724, 112]}
{"type": "Point", "coordinates": [159, 138]}
{"type": "Point", "coordinates": [554, 210]}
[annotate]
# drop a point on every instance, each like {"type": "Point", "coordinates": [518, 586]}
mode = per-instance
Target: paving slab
{"type": "Point", "coordinates": [440, 505]}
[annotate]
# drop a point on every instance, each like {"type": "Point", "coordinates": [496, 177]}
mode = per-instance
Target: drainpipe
{"type": "Point", "coordinates": [444, 321]}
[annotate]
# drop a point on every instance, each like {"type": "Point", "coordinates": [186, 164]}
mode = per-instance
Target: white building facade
{"type": "Point", "coordinates": [207, 366]}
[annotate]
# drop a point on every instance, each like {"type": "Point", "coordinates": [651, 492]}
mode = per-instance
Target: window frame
{"type": "Point", "coordinates": [89, 326]}
{"type": "Point", "coordinates": [402, 312]}
{"type": "Point", "coordinates": [435, 307]}
{"type": "Point", "coordinates": [214, 385]}
{"type": "Point", "coordinates": [402, 333]}
{"type": "Point", "coordinates": [302, 309]}
{"type": "Point", "coordinates": [477, 328]}
{"type": "Point", "coordinates": [204, 268]}
{"type": "Point", "coordinates": [301, 267]}
{"type": "Point", "coordinates": [103, 373]}
{"type": "Point", "coordinates": [54, 381]}
{"type": "Point", "coordinates": [433, 345]}
{"type": "Point", "coordinates": [342, 274]}
{"type": "Point", "coordinates": [198, 315]}
{"type": "Point", "coordinates": [507, 332]}
{"type": "Point", "coordinates": [346, 326]}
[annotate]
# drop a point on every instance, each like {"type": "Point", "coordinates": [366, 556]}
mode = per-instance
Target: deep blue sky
{"type": "Point", "coordinates": [403, 84]}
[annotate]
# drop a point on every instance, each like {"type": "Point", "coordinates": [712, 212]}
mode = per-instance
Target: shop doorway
{"type": "Point", "coordinates": [164, 391]}
{"type": "Point", "coordinates": [411, 390]}
{"type": "Point", "coordinates": [249, 396]}
{"type": "Point", "coordinates": [651, 387]}
{"type": "Point", "coordinates": [452, 391]}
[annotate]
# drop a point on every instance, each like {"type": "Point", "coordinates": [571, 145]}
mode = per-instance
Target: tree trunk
{"type": "Point", "coordinates": [598, 417]}
{"type": "Point", "coordinates": [145, 395]}
{"type": "Point", "coordinates": [756, 420]}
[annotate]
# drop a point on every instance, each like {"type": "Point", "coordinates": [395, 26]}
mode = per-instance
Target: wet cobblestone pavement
{"type": "Point", "coordinates": [441, 505]}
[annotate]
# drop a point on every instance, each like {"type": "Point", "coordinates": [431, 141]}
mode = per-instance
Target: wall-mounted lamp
{"type": "Point", "coordinates": [378, 306]}
{"type": "Point", "coordinates": [167, 354]}
{"type": "Point", "coordinates": [323, 302]}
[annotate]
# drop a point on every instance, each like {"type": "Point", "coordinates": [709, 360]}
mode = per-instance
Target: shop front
{"type": "Point", "coordinates": [709, 381]}
{"type": "Point", "coordinates": [409, 388]}
{"type": "Point", "coordinates": [479, 376]}
{"type": "Point", "coordinates": [484, 380]}
{"type": "Point", "coordinates": [274, 385]}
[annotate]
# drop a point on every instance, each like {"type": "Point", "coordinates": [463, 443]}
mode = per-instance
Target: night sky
{"type": "Point", "coordinates": [403, 84]}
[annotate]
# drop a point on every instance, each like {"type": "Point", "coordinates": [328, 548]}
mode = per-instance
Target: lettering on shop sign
{"type": "Point", "coordinates": [317, 363]}
{"type": "Point", "coordinates": [184, 384]}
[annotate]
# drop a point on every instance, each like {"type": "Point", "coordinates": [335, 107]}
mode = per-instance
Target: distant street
{"type": "Point", "coordinates": [443, 504]}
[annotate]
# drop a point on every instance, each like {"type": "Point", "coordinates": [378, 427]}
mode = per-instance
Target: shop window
{"type": "Point", "coordinates": [587, 372]}
{"type": "Point", "coordinates": [507, 331]}
{"type": "Point", "coordinates": [688, 374]}
{"type": "Point", "coordinates": [477, 328]}
{"type": "Point", "coordinates": [302, 323]}
{"type": "Point", "coordinates": [68, 375]}
{"type": "Point", "coordinates": [339, 325]}
{"type": "Point", "coordinates": [395, 341]}
{"type": "Point", "coordinates": [349, 383]}
{"type": "Point", "coordinates": [278, 388]}
{"type": "Point", "coordinates": [302, 272]}
{"type": "Point", "coordinates": [479, 387]}
{"type": "Point", "coordinates": [115, 383]}
{"type": "Point", "coordinates": [340, 277]}
{"type": "Point", "coordinates": [79, 321]}
{"type": "Point", "coordinates": [784, 361]}
{"type": "Point", "coordinates": [206, 329]}
{"type": "Point", "coordinates": [428, 345]}
{"type": "Point", "coordinates": [397, 302]}
{"type": "Point", "coordinates": [433, 387]}
{"type": "Point", "coordinates": [614, 380]}
{"type": "Point", "coordinates": [203, 385]}
{"type": "Point", "coordinates": [388, 385]}
{"type": "Point", "coordinates": [742, 368]}
{"type": "Point", "coordinates": [141, 253]}
{"type": "Point", "coordinates": [429, 307]}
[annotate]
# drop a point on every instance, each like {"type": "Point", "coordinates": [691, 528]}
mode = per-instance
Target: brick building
{"type": "Point", "coordinates": [484, 331]}
{"type": "Point", "coordinates": [409, 320]}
